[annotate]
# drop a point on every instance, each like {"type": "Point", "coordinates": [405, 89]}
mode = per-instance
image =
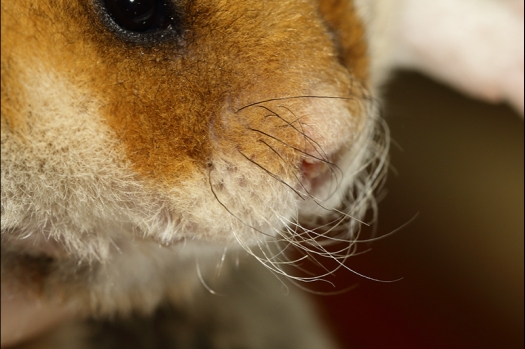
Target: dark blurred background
{"type": "Point", "coordinates": [458, 164]}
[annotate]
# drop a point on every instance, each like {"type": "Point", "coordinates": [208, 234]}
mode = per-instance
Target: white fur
{"type": "Point", "coordinates": [73, 187]}
{"type": "Point", "coordinates": [475, 45]}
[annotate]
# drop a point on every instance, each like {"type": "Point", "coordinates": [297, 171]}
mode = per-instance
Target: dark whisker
{"type": "Point", "coordinates": [228, 210]}
{"type": "Point", "coordinates": [311, 140]}
{"type": "Point", "coordinates": [279, 155]}
{"type": "Point", "coordinates": [328, 163]}
{"type": "Point", "coordinates": [295, 128]}
{"type": "Point", "coordinates": [293, 97]}
{"type": "Point", "coordinates": [307, 138]}
{"type": "Point", "coordinates": [272, 175]}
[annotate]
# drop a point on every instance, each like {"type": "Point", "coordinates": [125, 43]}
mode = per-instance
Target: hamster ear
{"type": "Point", "coordinates": [475, 46]}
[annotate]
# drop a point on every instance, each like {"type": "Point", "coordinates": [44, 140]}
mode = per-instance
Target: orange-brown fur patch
{"type": "Point", "coordinates": [218, 121]}
{"type": "Point", "coordinates": [174, 106]}
{"type": "Point", "coordinates": [350, 32]}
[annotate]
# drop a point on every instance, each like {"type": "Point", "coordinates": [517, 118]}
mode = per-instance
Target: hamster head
{"type": "Point", "coordinates": [211, 123]}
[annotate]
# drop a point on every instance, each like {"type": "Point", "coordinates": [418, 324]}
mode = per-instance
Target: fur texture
{"type": "Point", "coordinates": [130, 162]}
{"type": "Point", "coordinates": [138, 166]}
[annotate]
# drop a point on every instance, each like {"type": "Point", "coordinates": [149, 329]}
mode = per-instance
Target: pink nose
{"type": "Point", "coordinates": [316, 172]}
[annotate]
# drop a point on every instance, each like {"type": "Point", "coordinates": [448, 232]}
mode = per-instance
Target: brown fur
{"type": "Point", "coordinates": [161, 101]}
{"type": "Point", "coordinates": [350, 34]}
{"type": "Point", "coordinates": [214, 134]}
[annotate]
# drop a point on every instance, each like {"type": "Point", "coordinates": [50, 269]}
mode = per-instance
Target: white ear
{"type": "Point", "coordinates": [474, 45]}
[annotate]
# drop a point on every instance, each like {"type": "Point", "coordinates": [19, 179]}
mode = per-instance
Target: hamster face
{"type": "Point", "coordinates": [130, 147]}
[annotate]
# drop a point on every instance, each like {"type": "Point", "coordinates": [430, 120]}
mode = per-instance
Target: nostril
{"type": "Point", "coordinates": [312, 168]}
{"type": "Point", "coordinates": [314, 173]}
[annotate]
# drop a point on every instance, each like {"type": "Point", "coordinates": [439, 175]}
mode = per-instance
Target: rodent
{"type": "Point", "coordinates": [137, 136]}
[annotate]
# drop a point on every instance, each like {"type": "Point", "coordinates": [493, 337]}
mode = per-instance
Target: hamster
{"type": "Point", "coordinates": [146, 142]}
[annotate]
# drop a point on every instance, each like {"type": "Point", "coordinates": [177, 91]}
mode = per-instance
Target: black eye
{"type": "Point", "coordinates": [141, 16]}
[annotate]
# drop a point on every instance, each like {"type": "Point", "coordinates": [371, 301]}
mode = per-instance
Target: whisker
{"type": "Point", "coordinates": [203, 283]}
{"type": "Point", "coordinates": [310, 139]}
{"type": "Point", "coordinates": [294, 97]}
{"type": "Point", "coordinates": [273, 175]}
{"type": "Point", "coordinates": [297, 149]}
{"type": "Point", "coordinates": [228, 210]}
{"type": "Point", "coordinates": [279, 155]}
{"type": "Point", "coordinates": [333, 231]}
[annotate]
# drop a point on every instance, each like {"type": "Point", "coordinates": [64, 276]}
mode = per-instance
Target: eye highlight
{"type": "Point", "coordinates": [139, 16]}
